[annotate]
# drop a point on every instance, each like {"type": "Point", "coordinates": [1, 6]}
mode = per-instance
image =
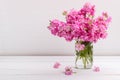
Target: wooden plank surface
{"type": "Point", "coordinates": [41, 68]}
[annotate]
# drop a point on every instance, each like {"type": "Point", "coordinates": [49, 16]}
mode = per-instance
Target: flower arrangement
{"type": "Point", "coordinates": [83, 27]}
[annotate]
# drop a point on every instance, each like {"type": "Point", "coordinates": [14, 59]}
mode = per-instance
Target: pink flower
{"type": "Point", "coordinates": [55, 25]}
{"type": "Point", "coordinates": [79, 46]}
{"type": "Point", "coordinates": [68, 71]}
{"type": "Point", "coordinates": [88, 8]}
{"type": "Point", "coordinates": [82, 25]}
{"type": "Point", "coordinates": [96, 69]}
{"type": "Point", "coordinates": [56, 65]}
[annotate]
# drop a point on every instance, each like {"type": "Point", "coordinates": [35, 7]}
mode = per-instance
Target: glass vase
{"type": "Point", "coordinates": [84, 58]}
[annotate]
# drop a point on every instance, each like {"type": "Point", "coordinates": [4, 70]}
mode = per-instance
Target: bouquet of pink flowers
{"type": "Point", "coordinates": [81, 26]}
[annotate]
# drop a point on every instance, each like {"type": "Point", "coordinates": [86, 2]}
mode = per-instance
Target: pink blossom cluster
{"type": "Point", "coordinates": [81, 25]}
{"type": "Point", "coordinates": [68, 70]}
{"type": "Point", "coordinates": [79, 46]}
{"type": "Point", "coordinates": [96, 69]}
{"type": "Point", "coordinates": [56, 65]}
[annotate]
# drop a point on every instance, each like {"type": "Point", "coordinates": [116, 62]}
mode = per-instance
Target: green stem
{"type": "Point", "coordinates": [84, 62]}
{"type": "Point", "coordinates": [76, 61]}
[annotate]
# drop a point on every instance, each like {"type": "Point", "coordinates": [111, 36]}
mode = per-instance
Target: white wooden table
{"type": "Point", "coordinates": [41, 68]}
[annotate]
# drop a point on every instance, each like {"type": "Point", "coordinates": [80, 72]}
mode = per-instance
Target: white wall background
{"type": "Point", "coordinates": [23, 27]}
